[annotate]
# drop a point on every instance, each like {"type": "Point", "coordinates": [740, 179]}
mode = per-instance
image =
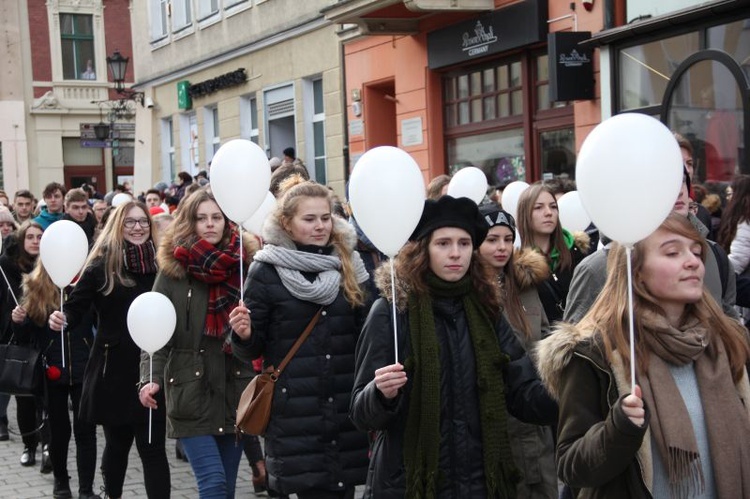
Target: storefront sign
{"type": "Point", "coordinates": [184, 101]}
{"type": "Point", "coordinates": [571, 71]}
{"type": "Point", "coordinates": [504, 29]}
{"type": "Point", "coordinates": [227, 80]}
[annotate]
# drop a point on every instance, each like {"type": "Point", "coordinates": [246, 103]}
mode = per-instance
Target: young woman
{"type": "Point", "coordinates": [734, 230]}
{"type": "Point", "coordinates": [200, 273]}
{"type": "Point", "coordinates": [685, 431]}
{"type": "Point", "coordinates": [40, 297]}
{"type": "Point", "coordinates": [121, 266]}
{"type": "Point", "coordinates": [440, 410]}
{"type": "Point", "coordinates": [518, 274]}
{"type": "Point", "coordinates": [20, 252]}
{"type": "Point", "coordinates": [308, 263]}
{"type": "Point", "coordinates": [540, 229]}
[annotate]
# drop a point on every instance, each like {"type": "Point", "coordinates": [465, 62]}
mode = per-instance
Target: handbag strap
{"type": "Point", "coordinates": [298, 343]}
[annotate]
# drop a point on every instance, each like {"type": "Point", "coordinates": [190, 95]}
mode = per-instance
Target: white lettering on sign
{"type": "Point", "coordinates": [480, 42]}
{"type": "Point", "coordinates": [574, 59]}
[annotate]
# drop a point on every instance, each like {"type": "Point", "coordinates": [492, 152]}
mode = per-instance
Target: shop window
{"type": "Point", "coordinates": [734, 39]}
{"type": "Point", "coordinates": [189, 143]}
{"type": "Point", "coordinates": [211, 128]}
{"type": "Point", "coordinates": [645, 70]}
{"type": "Point", "coordinates": [77, 44]}
{"type": "Point", "coordinates": [159, 16]}
{"type": "Point", "coordinates": [168, 166]}
{"type": "Point", "coordinates": [643, 9]}
{"type": "Point", "coordinates": [249, 118]}
{"type": "Point", "coordinates": [500, 155]}
{"type": "Point", "coordinates": [558, 157]}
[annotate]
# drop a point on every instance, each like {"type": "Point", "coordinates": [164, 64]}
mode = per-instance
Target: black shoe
{"type": "Point", "coordinates": [46, 461]}
{"type": "Point", "coordinates": [89, 494]}
{"type": "Point", "coordinates": [62, 490]}
{"type": "Point", "coordinates": [28, 458]}
{"type": "Point", "coordinates": [179, 452]}
{"type": "Point", "coordinates": [4, 430]}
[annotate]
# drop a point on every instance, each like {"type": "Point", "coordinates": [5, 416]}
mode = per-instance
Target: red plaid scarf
{"type": "Point", "coordinates": [219, 268]}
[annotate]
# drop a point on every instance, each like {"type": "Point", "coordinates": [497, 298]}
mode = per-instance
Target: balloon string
{"type": "Point", "coordinates": [628, 250]}
{"type": "Point", "coordinates": [150, 380]}
{"type": "Point", "coordinates": [9, 287]}
{"type": "Point", "coordinates": [395, 324]}
{"type": "Point", "coordinates": [242, 283]}
{"type": "Point", "coordinates": [62, 329]}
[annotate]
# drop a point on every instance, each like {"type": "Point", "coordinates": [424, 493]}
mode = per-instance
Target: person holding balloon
{"type": "Point", "coordinates": [307, 266]}
{"type": "Point", "coordinates": [64, 381]}
{"type": "Point", "coordinates": [683, 430]}
{"type": "Point", "coordinates": [20, 252]}
{"type": "Point", "coordinates": [518, 273]}
{"type": "Point", "coordinates": [440, 410]}
{"type": "Point", "coordinates": [121, 266]}
{"type": "Point", "coordinates": [199, 271]}
{"type": "Point", "coordinates": [540, 229]}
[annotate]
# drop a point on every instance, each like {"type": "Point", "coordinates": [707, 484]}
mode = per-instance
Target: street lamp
{"type": "Point", "coordinates": [118, 65]}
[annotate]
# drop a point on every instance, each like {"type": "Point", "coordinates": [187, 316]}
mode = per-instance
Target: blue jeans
{"type": "Point", "coordinates": [215, 461]}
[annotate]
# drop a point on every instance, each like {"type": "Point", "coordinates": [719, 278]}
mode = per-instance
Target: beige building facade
{"type": "Point", "coordinates": [262, 70]}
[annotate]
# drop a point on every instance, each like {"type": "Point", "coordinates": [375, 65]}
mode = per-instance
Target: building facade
{"type": "Point", "coordinates": [57, 89]}
{"type": "Point", "coordinates": [212, 71]}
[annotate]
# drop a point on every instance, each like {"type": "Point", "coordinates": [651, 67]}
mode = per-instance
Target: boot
{"type": "Point", "coordinates": [260, 479]}
{"type": "Point", "coordinates": [4, 429]}
{"type": "Point", "coordinates": [61, 489]}
{"type": "Point", "coordinates": [28, 457]}
{"type": "Point", "coordinates": [46, 461]}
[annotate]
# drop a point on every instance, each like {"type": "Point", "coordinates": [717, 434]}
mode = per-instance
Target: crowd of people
{"type": "Point", "coordinates": [498, 365]}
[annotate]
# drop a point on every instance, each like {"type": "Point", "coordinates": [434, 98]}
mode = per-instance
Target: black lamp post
{"type": "Point", "coordinates": [118, 65]}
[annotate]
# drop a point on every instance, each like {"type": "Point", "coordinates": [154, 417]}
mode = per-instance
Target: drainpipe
{"type": "Point", "coordinates": [344, 115]}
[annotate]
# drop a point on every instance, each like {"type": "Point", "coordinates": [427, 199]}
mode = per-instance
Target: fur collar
{"type": "Point", "coordinates": [383, 283]}
{"type": "Point", "coordinates": [274, 234]}
{"type": "Point", "coordinates": [169, 266]}
{"type": "Point", "coordinates": [582, 241]}
{"type": "Point", "coordinates": [554, 353]}
{"type": "Point", "coordinates": [530, 268]}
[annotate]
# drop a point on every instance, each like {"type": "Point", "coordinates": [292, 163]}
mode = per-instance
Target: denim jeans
{"type": "Point", "coordinates": [215, 461]}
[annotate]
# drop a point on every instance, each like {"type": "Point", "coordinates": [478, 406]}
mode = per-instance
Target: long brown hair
{"type": "Point", "coordinates": [294, 189]}
{"type": "Point", "coordinates": [110, 245]}
{"type": "Point", "coordinates": [182, 229]}
{"type": "Point", "coordinates": [24, 259]}
{"type": "Point", "coordinates": [608, 315]}
{"type": "Point", "coordinates": [40, 295]}
{"type": "Point", "coordinates": [736, 211]}
{"type": "Point", "coordinates": [510, 295]}
{"type": "Point", "coordinates": [526, 203]}
{"type": "Point", "coordinates": [413, 263]}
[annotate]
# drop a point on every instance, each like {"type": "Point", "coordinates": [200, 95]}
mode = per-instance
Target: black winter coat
{"type": "Point", "coordinates": [554, 290]}
{"type": "Point", "coordinates": [310, 441]}
{"type": "Point", "coordinates": [14, 274]}
{"type": "Point", "coordinates": [110, 394]}
{"type": "Point", "coordinates": [460, 459]}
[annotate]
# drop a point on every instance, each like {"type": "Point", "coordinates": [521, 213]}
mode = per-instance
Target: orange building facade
{"type": "Point", "coordinates": [462, 87]}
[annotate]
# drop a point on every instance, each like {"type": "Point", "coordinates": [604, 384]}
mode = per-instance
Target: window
{"type": "Point", "coordinates": [189, 143]}
{"type": "Point", "coordinates": [159, 14]}
{"type": "Point", "coordinates": [207, 7]}
{"type": "Point", "coordinates": [182, 15]}
{"type": "Point", "coordinates": [211, 128]}
{"type": "Point", "coordinates": [77, 43]}
{"type": "Point", "coordinates": [168, 167]}
{"type": "Point", "coordinates": [318, 131]}
{"type": "Point", "coordinates": [249, 119]}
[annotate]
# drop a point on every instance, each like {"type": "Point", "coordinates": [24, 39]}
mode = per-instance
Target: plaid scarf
{"type": "Point", "coordinates": [219, 268]}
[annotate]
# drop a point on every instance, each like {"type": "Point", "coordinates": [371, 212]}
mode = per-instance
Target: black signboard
{"type": "Point", "coordinates": [571, 70]}
{"type": "Point", "coordinates": [504, 29]}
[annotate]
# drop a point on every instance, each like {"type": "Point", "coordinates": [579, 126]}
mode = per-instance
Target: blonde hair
{"type": "Point", "coordinates": [608, 316]}
{"type": "Point", "coordinates": [40, 295]}
{"type": "Point", "coordinates": [110, 247]}
{"type": "Point", "coordinates": [293, 190]}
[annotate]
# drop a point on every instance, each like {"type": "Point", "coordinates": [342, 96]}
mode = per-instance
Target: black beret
{"type": "Point", "coordinates": [448, 211]}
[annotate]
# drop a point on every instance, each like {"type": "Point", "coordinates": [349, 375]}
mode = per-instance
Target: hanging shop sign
{"type": "Point", "coordinates": [571, 70]}
{"type": "Point", "coordinates": [511, 27]}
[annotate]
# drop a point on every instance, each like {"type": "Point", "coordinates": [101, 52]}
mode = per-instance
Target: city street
{"type": "Point", "coordinates": [20, 482]}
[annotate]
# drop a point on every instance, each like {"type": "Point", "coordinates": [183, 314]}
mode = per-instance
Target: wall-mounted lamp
{"type": "Point", "coordinates": [118, 65]}
{"type": "Point", "coordinates": [356, 95]}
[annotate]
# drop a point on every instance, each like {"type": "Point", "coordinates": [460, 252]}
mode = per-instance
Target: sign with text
{"type": "Point", "coordinates": [571, 69]}
{"type": "Point", "coordinates": [511, 27]}
{"type": "Point", "coordinates": [125, 131]}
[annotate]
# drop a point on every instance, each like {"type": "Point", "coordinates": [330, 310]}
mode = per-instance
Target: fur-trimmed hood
{"type": "Point", "coordinates": [173, 269]}
{"type": "Point", "coordinates": [529, 268]}
{"type": "Point", "coordinates": [274, 234]}
{"type": "Point", "coordinates": [581, 240]}
{"type": "Point", "coordinates": [554, 353]}
{"type": "Point", "coordinates": [383, 283]}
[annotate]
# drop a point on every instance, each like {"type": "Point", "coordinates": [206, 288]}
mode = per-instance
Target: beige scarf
{"type": "Point", "coordinates": [727, 423]}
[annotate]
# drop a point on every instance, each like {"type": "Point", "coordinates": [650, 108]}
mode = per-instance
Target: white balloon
{"type": "Point", "coordinates": [151, 321]}
{"type": "Point", "coordinates": [511, 194]}
{"type": "Point", "coordinates": [469, 182]}
{"type": "Point", "coordinates": [121, 198]}
{"type": "Point", "coordinates": [629, 174]}
{"type": "Point", "coordinates": [63, 250]}
{"type": "Point", "coordinates": [387, 193]}
{"type": "Point", "coordinates": [254, 224]}
{"type": "Point", "coordinates": [573, 216]}
{"type": "Point", "coordinates": [240, 178]}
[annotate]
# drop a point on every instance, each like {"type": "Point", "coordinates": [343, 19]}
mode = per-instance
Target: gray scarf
{"type": "Point", "coordinates": [290, 264]}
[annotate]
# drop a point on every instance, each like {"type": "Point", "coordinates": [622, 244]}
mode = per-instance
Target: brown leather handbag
{"type": "Point", "coordinates": [254, 409]}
